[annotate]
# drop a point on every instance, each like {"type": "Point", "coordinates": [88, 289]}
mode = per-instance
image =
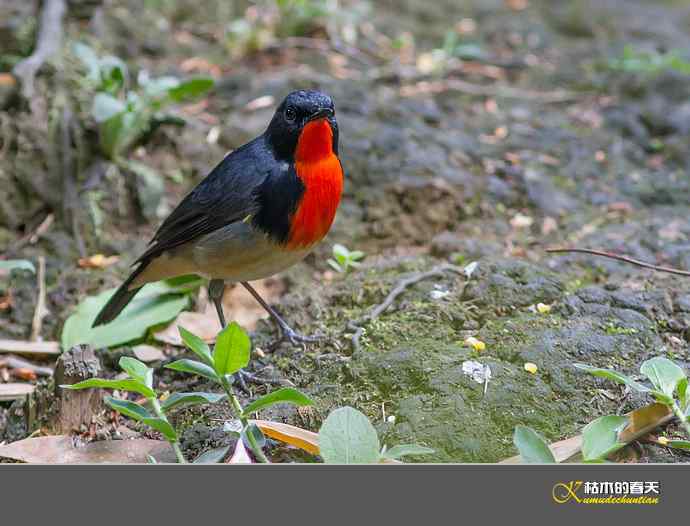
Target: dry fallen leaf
{"type": "Point", "coordinates": [293, 435]}
{"type": "Point", "coordinates": [97, 261]}
{"type": "Point", "coordinates": [238, 306]}
{"type": "Point", "coordinates": [147, 353]}
{"type": "Point", "coordinates": [61, 449]}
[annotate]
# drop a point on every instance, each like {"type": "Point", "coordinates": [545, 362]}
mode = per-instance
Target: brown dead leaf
{"type": "Point", "coordinates": [97, 261]}
{"type": "Point", "coordinates": [200, 65]}
{"type": "Point", "coordinates": [238, 305]}
{"type": "Point", "coordinates": [147, 353]}
{"type": "Point", "coordinates": [23, 373]}
{"type": "Point", "coordinates": [6, 301]}
{"type": "Point", "coordinates": [62, 449]}
{"type": "Point", "coordinates": [15, 391]}
{"type": "Point", "coordinates": [7, 79]}
{"type": "Point", "coordinates": [644, 420]}
{"type": "Point", "coordinates": [293, 435]}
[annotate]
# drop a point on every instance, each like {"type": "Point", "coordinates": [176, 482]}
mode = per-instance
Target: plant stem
{"type": "Point", "coordinates": [175, 444]}
{"type": "Point", "coordinates": [681, 416]}
{"type": "Point", "coordinates": [260, 456]}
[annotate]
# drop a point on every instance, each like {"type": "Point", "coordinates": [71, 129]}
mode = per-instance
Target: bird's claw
{"type": "Point", "coordinates": [242, 378]}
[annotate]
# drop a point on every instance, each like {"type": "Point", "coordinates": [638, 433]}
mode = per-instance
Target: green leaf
{"type": "Point", "coordinates": [679, 444]}
{"type": "Point", "coordinates": [402, 450]}
{"type": "Point", "coordinates": [196, 345]}
{"type": "Point", "coordinates": [194, 367]}
{"type": "Point", "coordinates": [159, 87]}
{"type": "Point", "coordinates": [258, 435]}
{"type": "Point", "coordinates": [89, 58]}
{"type": "Point", "coordinates": [180, 399]}
{"type": "Point", "coordinates": [600, 437]}
{"type": "Point", "coordinates": [106, 106]}
{"type": "Point", "coordinates": [153, 305]}
{"type": "Point", "coordinates": [212, 456]}
{"type": "Point", "coordinates": [150, 187]}
{"type": "Point", "coordinates": [17, 264]}
{"type": "Point", "coordinates": [190, 89]}
{"type": "Point", "coordinates": [284, 395]}
{"type": "Point", "coordinates": [232, 350]}
{"type": "Point", "coordinates": [334, 265]}
{"type": "Point", "coordinates": [137, 370]}
{"type": "Point", "coordinates": [134, 386]}
{"type": "Point", "coordinates": [340, 251]}
{"type": "Point", "coordinates": [136, 412]}
{"type": "Point", "coordinates": [613, 375]}
{"type": "Point", "coordinates": [663, 373]}
{"type": "Point", "coordinates": [532, 446]}
{"type": "Point", "coordinates": [347, 437]}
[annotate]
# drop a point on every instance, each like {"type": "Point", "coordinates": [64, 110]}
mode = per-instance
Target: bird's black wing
{"type": "Point", "coordinates": [227, 195]}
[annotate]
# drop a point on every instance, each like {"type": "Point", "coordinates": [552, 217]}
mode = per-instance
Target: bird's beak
{"type": "Point", "coordinates": [321, 113]}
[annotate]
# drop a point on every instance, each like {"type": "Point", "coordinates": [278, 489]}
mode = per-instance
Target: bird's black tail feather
{"type": "Point", "coordinates": [119, 300]}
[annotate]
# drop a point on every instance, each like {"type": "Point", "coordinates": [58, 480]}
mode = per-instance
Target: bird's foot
{"type": "Point", "coordinates": [297, 339]}
{"type": "Point", "coordinates": [243, 378]}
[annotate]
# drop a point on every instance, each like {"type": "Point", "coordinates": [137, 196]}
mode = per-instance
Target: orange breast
{"type": "Point", "coordinates": [321, 173]}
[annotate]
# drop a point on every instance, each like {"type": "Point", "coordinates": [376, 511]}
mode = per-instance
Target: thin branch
{"type": "Point", "coordinates": [41, 310]}
{"type": "Point", "coordinates": [624, 259]}
{"type": "Point", "coordinates": [358, 325]}
{"type": "Point", "coordinates": [48, 43]}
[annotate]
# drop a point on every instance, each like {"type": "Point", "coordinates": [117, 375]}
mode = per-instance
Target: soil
{"type": "Point", "coordinates": [549, 145]}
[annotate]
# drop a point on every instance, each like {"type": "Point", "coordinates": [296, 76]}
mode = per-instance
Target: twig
{"type": "Point", "coordinates": [32, 237]}
{"type": "Point", "coordinates": [624, 259]}
{"type": "Point", "coordinates": [358, 325]}
{"type": "Point", "coordinates": [24, 347]}
{"type": "Point", "coordinates": [15, 362]}
{"type": "Point", "coordinates": [47, 44]}
{"type": "Point", "coordinates": [40, 311]}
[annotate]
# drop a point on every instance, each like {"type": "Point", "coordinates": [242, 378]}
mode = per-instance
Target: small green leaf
{"type": "Point", "coordinates": [402, 450]}
{"type": "Point", "coordinates": [106, 106]}
{"type": "Point", "coordinates": [193, 367]}
{"type": "Point", "coordinates": [17, 264]}
{"type": "Point", "coordinates": [600, 437]}
{"type": "Point", "coordinates": [340, 251]}
{"type": "Point", "coordinates": [334, 265]}
{"type": "Point", "coordinates": [190, 89]}
{"type": "Point", "coordinates": [532, 446]}
{"type": "Point", "coordinates": [180, 399]}
{"type": "Point", "coordinates": [679, 444]}
{"type": "Point", "coordinates": [136, 412]}
{"type": "Point", "coordinates": [253, 430]}
{"type": "Point", "coordinates": [663, 373]}
{"type": "Point", "coordinates": [89, 58]}
{"type": "Point", "coordinates": [150, 187]}
{"type": "Point", "coordinates": [196, 345]}
{"type": "Point", "coordinates": [212, 456]}
{"type": "Point", "coordinates": [133, 386]}
{"type": "Point", "coordinates": [137, 370]}
{"type": "Point", "coordinates": [613, 375]}
{"type": "Point", "coordinates": [347, 437]}
{"type": "Point", "coordinates": [284, 395]}
{"type": "Point", "coordinates": [356, 255]}
{"type": "Point", "coordinates": [232, 350]}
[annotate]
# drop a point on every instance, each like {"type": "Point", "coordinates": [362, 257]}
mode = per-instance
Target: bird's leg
{"type": "Point", "coordinates": [286, 331]}
{"type": "Point", "coordinates": [216, 289]}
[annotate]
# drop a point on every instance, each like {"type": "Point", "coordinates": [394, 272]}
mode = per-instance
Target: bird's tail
{"type": "Point", "coordinates": [119, 300]}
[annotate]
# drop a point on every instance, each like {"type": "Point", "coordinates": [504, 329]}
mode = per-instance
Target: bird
{"type": "Point", "coordinates": [261, 210]}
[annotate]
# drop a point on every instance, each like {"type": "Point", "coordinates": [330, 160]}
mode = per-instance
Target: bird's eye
{"type": "Point", "coordinates": [290, 114]}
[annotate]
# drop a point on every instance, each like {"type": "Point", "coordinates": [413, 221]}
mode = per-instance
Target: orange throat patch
{"type": "Point", "coordinates": [319, 169]}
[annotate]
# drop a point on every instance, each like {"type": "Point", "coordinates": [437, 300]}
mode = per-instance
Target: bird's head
{"type": "Point", "coordinates": [304, 128]}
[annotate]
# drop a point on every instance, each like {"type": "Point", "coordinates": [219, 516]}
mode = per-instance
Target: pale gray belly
{"type": "Point", "coordinates": [239, 252]}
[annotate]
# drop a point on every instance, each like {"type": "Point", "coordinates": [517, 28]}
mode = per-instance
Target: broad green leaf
{"type": "Point", "coordinates": [663, 373]}
{"type": "Point", "coordinates": [193, 367]}
{"type": "Point", "coordinates": [334, 265]}
{"type": "Point", "coordinates": [153, 305]}
{"type": "Point", "coordinates": [402, 450]}
{"type": "Point", "coordinates": [180, 399]}
{"type": "Point", "coordinates": [136, 412]}
{"type": "Point", "coordinates": [600, 437]}
{"type": "Point", "coordinates": [356, 254]}
{"type": "Point", "coordinates": [347, 437]}
{"type": "Point", "coordinates": [137, 370]}
{"type": "Point", "coordinates": [532, 446]}
{"type": "Point", "coordinates": [134, 386]}
{"type": "Point", "coordinates": [613, 375]}
{"type": "Point", "coordinates": [17, 264]}
{"type": "Point", "coordinates": [196, 345]}
{"type": "Point", "coordinates": [284, 395]}
{"type": "Point", "coordinates": [683, 393]}
{"type": "Point", "coordinates": [160, 86]}
{"type": "Point", "coordinates": [190, 89]}
{"type": "Point", "coordinates": [212, 456]}
{"type": "Point", "coordinates": [340, 251]}
{"type": "Point", "coordinates": [106, 106]}
{"type": "Point", "coordinates": [232, 350]}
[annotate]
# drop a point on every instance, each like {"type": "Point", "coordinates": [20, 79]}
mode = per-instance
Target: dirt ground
{"type": "Point", "coordinates": [532, 138]}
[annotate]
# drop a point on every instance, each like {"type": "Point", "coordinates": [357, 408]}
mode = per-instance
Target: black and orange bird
{"type": "Point", "coordinates": [260, 211]}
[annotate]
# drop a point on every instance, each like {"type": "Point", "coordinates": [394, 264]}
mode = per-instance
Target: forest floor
{"type": "Point", "coordinates": [539, 137]}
